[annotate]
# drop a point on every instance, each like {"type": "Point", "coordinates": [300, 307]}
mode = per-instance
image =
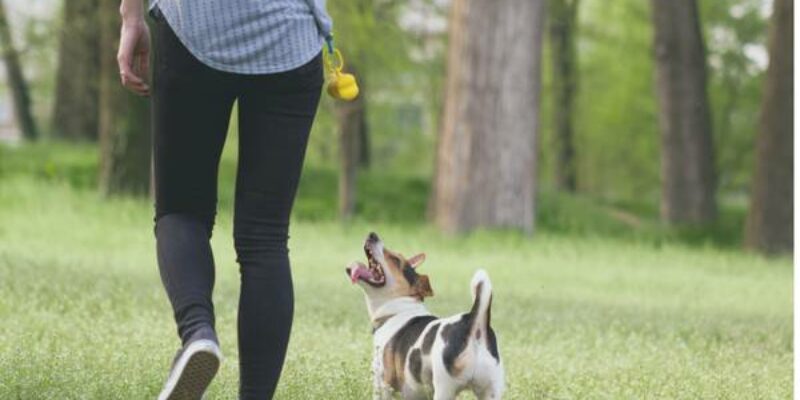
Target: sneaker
{"type": "Point", "coordinates": [192, 371]}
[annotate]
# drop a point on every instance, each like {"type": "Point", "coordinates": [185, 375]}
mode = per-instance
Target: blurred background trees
{"type": "Point", "coordinates": [359, 23]}
{"type": "Point", "coordinates": [562, 22]}
{"type": "Point", "coordinates": [75, 109]}
{"type": "Point", "coordinates": [769, 222]}
{"type": "Point", "coordinates": [687, 149]}
{"type": "Point", "coordinates": [486, 124]}
{"type": "Point", "coordinates": [353, 145]}
{"type": "Point", "coordinates": [124, 118]}
{"type": "Point", "coordinates": [20, 94]}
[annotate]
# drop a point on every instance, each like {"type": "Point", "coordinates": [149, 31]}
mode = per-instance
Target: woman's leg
{"type": "Point", "coordinates": [275, 116]}
{"type": "Point", "coordinates": [191, 108]}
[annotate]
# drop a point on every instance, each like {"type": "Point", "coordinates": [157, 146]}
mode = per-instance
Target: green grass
{"type": "Point", "coordinates": [595, 306]}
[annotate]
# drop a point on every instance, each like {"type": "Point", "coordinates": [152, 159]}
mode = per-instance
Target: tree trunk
{"type": "Point", "coordinates": [364, 153]}
{"type": "Point", "coordinates": [486, 165]}
{"type": "Point", "coordinates": [769, 225]}
{"type": "Point", "coordinates": [16, 80]}
{"type": "Point", "coordinates": [351, 118]}
{"type": "Point", "coordinates": [687, 153]}
{"type": "Point", "coordinates": [563, 15]}
{"type": "Point", "coordinates": [75, 110]}
{"type": "Point", "coordinates": [124, 119]}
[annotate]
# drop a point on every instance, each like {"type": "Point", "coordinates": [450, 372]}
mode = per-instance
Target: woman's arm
{"type": "Point", "coordinates": [133, 56]}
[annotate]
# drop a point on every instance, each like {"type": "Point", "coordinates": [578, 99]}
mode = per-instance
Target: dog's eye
{"type": "Point", "coordinates": [395, 259]}
{"type": "Point", "coordinates": [410, 275]}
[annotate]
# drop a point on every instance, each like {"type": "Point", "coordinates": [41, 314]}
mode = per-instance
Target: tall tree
{"type": "Point", "coordinates": [687, 152]}
{"type": "Point", "coordinates": [562, 27]}
{"type": "Point", "coordinates": [124, 118]}
{"type": "Point", "coordinates": [20, 93]}
{"type": "Point", "coordinates": [75, 109]}
{"type": "Point", "coordinates": [486, 154]}
{"type": "Point", "coordinates": [769, 226]}
{"type": "Point", "coordinates": [352, 124]}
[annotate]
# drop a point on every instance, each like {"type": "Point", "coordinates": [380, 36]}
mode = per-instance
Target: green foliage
{"type": "Point", "coordinates": [617, 135]}
{"type": "Point", "coordinates": [74, 164]}
{"type": "Point", "coordinates": [616, 124]}
{"type": "Point", "coordinates": [36, 37]}
{"type": "Point", "coordinates": [358, 23]}
{"type": "Point", "coordinates": [394, 196]}
{"type": "Point", "coordinates": [401, 91]}
{"type": "Point", "coordinates": [735, 31]}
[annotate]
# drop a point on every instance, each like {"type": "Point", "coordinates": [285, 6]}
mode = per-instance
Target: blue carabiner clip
{"type": "Point", "coordinates": [329, 41]}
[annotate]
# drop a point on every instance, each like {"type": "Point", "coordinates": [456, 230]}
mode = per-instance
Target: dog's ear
{"type": "Point", "coordinates": [422, 287]}
{"type": "Point", "coordinates": [417, 260]}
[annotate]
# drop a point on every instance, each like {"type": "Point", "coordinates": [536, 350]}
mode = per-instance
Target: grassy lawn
{"type": "Point", "coordinates": [579, 316]}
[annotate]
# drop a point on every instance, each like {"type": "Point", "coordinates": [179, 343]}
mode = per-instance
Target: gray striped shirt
{"type": "Point", "coordinates": [249, 36]}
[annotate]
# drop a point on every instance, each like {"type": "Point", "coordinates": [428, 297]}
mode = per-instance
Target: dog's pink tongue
{"type": "Point", "coordinates": [359, 271]}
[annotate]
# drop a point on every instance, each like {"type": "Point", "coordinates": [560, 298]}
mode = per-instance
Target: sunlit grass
{"type": "Point", "coordinates": [83, 314]}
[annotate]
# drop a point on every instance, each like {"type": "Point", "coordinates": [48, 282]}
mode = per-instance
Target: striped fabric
{"type": "Point", "coordinates": [249, 36]}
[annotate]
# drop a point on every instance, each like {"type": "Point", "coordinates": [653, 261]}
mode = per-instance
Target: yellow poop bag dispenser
{"type": "Point", "coordinates": [341, 85]}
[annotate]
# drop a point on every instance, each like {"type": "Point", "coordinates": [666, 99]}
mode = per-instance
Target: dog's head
{"type": "Point", "coordinates": [387, 274]}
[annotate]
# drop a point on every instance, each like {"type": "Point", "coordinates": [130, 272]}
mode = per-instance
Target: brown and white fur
{"type": "Point", "coordinates": [417, 354]}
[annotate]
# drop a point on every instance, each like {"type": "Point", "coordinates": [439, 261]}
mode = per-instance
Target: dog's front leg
{"type": "Point", "coordinates": [411, 394]}
{"type": "Point", "coordinates": [382, 393]}
{"type": "Point", "coordinates": [380, 390]}
{"type": "Point", "coordinates": [445, 393]}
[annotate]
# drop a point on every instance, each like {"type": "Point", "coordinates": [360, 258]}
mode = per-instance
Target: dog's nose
{"type": "Point", "coordinates": [373, 237]}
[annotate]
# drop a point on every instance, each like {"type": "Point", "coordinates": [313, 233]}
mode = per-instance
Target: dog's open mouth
{"type": "Point", "coordinates": [372, 273]}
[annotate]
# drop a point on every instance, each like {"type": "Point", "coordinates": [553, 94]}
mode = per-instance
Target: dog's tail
{"type": "Point", "coordinates": [480, 315]}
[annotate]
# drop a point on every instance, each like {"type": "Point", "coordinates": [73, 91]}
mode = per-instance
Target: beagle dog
{"type": "Point", "coordinates": [416, 354]}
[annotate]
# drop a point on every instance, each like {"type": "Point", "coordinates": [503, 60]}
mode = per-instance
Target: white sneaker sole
{"type": "Point", "coordinates": [193, 372]}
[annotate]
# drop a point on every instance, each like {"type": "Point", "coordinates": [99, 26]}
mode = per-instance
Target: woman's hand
{"type": "Point", "coordinates": [133, 56]}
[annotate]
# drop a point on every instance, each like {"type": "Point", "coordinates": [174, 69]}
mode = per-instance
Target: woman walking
{"type": "Point", "coordinates": [265, 55]}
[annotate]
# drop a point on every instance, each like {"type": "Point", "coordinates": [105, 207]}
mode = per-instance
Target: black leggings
{"type": "Point", "coordinates": [192, 104]}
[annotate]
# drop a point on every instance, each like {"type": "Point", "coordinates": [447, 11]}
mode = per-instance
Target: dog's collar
{"type": "Point", "coordinates": [407, 307]}
{"type": "Point", "coordinates": [377, 324]}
